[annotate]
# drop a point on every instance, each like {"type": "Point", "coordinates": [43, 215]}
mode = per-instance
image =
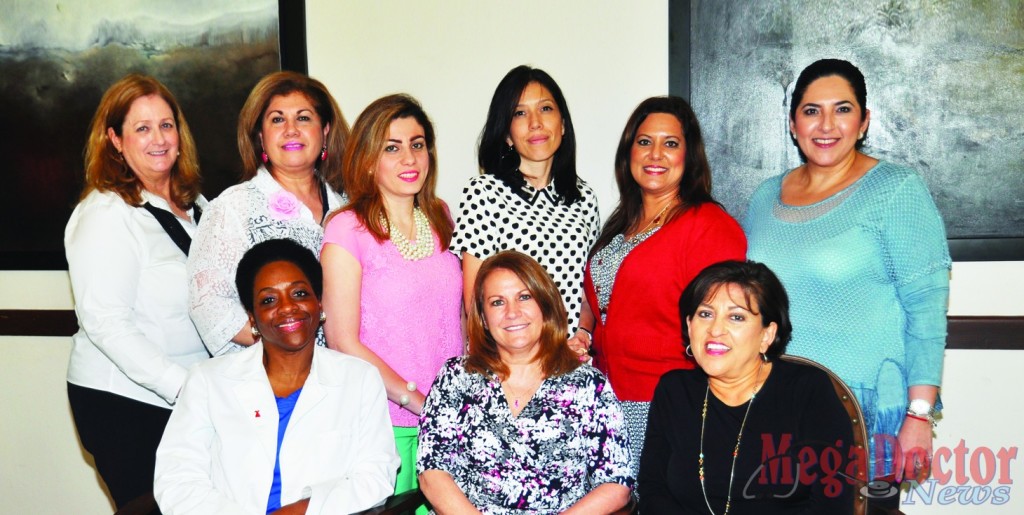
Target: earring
{"type": "Point", "coordinates": [255, 332]}
{"type": "Point", "coordinates": [764, 357]}
{"type": "Point", "coordinates": [508, 152]}
{"type": "Point", "coordinates": [323, 317]}
{"type": "Point", "coordinates": [689, 351]}
{"type": "Point", "coordinates": [266, 158]}
{"type": "Point", "coordinates": [860, 136]}
{"type": "Point", "coordinates": [323, 153]}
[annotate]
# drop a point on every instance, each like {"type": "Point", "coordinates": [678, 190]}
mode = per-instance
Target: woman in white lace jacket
{"type": "Point", "coordinates": [291, 136]}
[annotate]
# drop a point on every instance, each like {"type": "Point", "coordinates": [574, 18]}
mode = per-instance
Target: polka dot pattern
{"type": "Point", "coordinates": [493, 218]}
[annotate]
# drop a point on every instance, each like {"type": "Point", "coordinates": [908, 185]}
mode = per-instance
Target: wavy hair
{"type": "Point", "coordinates": [107, 170]}
{"type": "Point", "coordinates": [283, 83]}
{"type": "Point", "coordinates": [369, 137]}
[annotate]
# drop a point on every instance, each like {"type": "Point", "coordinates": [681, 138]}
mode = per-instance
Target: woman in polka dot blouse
{"type": "Point", "coordinates": [528, 197]}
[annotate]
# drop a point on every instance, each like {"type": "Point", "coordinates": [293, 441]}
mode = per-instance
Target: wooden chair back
{"type": "Point", "coordinates": [860, 431]}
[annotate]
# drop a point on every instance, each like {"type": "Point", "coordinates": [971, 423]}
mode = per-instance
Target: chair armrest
{"type": "Point", "coordinates": [399, 504]}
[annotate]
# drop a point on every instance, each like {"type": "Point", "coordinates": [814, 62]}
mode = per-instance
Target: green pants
{"type": "Point", "coordinates": [406, 440]}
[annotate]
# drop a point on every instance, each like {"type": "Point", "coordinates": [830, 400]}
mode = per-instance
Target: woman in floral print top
{"type": "Point", "coordinates": [519, 425]}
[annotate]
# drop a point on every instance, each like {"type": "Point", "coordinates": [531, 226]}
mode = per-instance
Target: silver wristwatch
{"type": "Point", "coordinates": [923, 409]}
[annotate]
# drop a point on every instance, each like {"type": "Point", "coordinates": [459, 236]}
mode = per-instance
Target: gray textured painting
{"type": "Point", "coordinates": [945, 86]}
{"type": "Point", "coordinates": [56, 60]}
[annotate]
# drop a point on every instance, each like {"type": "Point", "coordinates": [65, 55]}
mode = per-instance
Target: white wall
{"type": "Point", "coordinates": [606, 56]}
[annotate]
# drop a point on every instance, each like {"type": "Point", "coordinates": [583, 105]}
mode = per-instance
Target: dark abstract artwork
{"type": "Point", "coordinates": [57, 59]}
{"type": "Point", "coordinates": [945, 85]}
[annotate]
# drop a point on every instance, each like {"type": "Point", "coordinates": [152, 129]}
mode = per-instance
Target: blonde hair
{"type": "Point", "coordinates": [283, 83]}
{"type": "Point", "coordinates": [105, 167]}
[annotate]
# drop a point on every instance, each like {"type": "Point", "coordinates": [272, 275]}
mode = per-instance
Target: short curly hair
{"type": "Point", "coordinates": [270, 251]}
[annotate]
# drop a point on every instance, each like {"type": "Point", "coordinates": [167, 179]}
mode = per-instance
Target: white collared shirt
{"type": "Point", "coordinates": [135, 338]}
{"type": "Point", "coordinates": [235, 221]}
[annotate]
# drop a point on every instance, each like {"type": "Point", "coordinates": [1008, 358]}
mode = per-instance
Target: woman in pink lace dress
{"type": "Point", "coordinates": [392, 294]}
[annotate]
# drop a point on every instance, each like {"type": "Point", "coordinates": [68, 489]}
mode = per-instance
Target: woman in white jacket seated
{"type": "Point", "coordinates": [285, 426]}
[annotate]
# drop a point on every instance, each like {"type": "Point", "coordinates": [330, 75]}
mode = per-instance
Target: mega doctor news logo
{"type": "Point", "coordinates": [959, 475]}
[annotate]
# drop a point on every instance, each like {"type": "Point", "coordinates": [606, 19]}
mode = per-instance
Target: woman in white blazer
{"type": "Point", "coordinates": [285, 426]}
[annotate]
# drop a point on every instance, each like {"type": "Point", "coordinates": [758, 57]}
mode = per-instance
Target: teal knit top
{"type": "Point", "coordinates": [867, 273]}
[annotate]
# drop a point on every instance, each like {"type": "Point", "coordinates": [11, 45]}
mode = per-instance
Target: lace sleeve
{"type": "Point", "coordinates": [220, 241]}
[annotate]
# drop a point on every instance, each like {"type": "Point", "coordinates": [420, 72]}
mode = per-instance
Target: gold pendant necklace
{"type": "Point", "coordinates": [654, 221]}
{"type": "Point", "coordinates": [735, 451]}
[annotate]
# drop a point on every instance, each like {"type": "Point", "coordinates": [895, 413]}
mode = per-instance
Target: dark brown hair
{"type": "Point", "coordinates": [760, 286]}
{"type": "Point", "coordinates": [694, 187]}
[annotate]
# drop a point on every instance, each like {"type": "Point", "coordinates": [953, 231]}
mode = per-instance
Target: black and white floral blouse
{"type": "Point", "coordinates": [493, 217]}
{"type": "Point", "coordinates": [569, 439]}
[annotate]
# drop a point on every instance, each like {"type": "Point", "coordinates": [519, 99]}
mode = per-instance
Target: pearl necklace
{"type": "Point", "coordinates": [424, 245]}
{"type": "Point", "coordinates": [735, 451]}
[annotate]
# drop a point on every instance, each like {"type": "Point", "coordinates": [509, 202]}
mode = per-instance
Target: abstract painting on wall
{"type": "Point", "coordinates": [945, 84]}
{"type": "Point", "coordinates": [57, 59]}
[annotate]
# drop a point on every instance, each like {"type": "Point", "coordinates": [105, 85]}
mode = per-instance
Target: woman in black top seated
{"type": "Point", "coordinates": [745, 432]}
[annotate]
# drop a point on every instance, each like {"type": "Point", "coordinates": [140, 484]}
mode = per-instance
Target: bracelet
{"type": "Point", "coordinates": [927, 418]}
{"type": "Point", "coordinates": [403, 400]}
{"type": "Point", "coordinates": [589, 334]}
{"type": "Point", "coordinates": [411, 386]}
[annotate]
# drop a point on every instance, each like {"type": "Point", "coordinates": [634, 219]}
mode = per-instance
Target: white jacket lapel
{"type": "Point", "coordinates": [256, 399]}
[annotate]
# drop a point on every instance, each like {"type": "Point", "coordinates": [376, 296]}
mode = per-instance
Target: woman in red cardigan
{"type": "Point", "coordinates": [664, 231]}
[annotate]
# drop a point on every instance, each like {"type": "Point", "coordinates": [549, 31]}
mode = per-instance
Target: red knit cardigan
{"type": "Point", "coordinates": [642, 336]}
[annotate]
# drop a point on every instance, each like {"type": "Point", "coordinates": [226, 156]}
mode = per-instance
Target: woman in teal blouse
{"type": "Point", "coordinates": [861, 249]}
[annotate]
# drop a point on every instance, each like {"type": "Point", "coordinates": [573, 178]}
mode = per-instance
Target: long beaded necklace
{"type": "Point", "coordinates": [735, 451]}
{"type": "Point", "coordinates": [424, 245]}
